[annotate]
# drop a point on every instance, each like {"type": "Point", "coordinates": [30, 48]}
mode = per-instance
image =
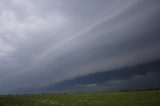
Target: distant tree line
{"type": "Point", "coordinates": [64, 93]}
{"type": "Point", "coordinates": [140, 89]}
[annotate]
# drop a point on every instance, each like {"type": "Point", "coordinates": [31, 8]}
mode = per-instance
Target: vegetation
{"type": "Point", "coordinates": [136, 98]}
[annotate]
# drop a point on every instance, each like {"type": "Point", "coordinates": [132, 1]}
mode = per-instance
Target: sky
{"type": "Point", "coordinates": [46, 45]}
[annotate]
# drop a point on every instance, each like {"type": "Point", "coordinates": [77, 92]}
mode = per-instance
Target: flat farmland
{"type": "Point", "coordinates": [137, 98]}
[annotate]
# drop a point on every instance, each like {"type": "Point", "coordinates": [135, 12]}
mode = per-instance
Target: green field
{"type": "Point", "coordinates": [139, 98]}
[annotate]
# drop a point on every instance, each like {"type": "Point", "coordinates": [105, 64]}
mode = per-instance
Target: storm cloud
{"type": "Point", "coordinates": [46, 42]}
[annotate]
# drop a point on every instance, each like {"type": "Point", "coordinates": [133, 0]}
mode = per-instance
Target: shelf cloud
{"type": "Point", "coordinates": [47, 42]}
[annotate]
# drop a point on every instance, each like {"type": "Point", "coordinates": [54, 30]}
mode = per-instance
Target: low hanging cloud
{"type": "Point", "coordinates": [45, 42]}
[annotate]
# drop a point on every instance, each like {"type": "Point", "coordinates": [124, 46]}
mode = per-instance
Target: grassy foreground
{"type": "Point", "coordinates": [141, 98]}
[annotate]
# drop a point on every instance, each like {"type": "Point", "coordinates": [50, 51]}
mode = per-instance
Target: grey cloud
{"type": "Point", "coordinates": [44, 42]}
{"type": "Point", "coordinates": [139, 82]}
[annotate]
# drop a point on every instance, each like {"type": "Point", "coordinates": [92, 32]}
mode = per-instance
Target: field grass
{"type": "Point", "coordinates": [139, 98]}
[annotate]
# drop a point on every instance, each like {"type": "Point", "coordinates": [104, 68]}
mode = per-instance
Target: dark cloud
{"type": "Point", "coordinates": [144, 76]}
{"type": "Point", "coordinates": [46, 42]}
{"type": "Point", "coordinates": [106, 77]}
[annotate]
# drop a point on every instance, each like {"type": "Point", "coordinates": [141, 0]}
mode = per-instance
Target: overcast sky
{"type": "Point", "coordinates": [43, 42]}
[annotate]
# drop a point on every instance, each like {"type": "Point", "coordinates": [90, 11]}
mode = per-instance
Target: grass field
{"type": "Point", "coordinates": [139, 98]}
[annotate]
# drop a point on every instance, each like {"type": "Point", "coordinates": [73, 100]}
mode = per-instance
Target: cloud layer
{"type": "Point", "coordinates": [45, 42]}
